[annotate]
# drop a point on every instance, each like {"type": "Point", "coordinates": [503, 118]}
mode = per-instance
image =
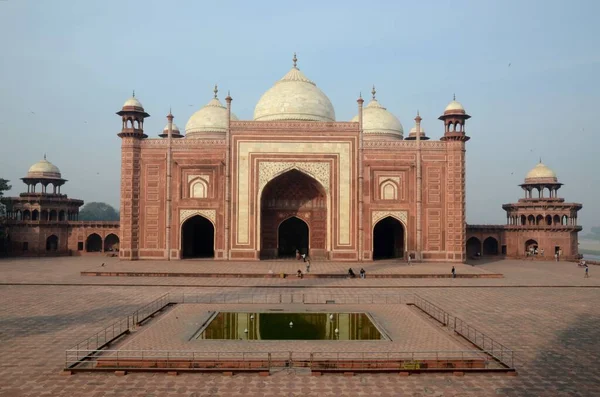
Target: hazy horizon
{"type": "Point", "coordinates": [527, 73]}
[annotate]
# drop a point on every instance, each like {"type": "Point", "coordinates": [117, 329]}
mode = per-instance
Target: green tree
{"type": "Point", "coordinates": [98, 212]}
{"type": "Point", "coordinates": [4, 186]}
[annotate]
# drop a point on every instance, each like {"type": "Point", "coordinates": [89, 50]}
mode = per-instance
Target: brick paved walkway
{"type": "Point", "coordinates": [555, 332]}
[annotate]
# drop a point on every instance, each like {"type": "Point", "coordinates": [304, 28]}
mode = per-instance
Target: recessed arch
{"type": "Point", "coordinates": [111, 243]}
{"type": "Point", "coordinates": [35, 215]}
{"type": "Point", "coordinates": [293, 193]}
{"type": "Point", "coordinates": [198, 188]}
{"type": "Point", "coordinates": [548, 220]}
{"type": "Point", "coordinates": [490, 246]}
{"type": "Point", "coordinates": [539, 220]}
{"type": "Point", "coordinates": [389, 238]}
{"type": "Point", "coordinates": [197, 238]}
{"type": "Point", "coordinates": [473, 247]}
{"type": "Point", "coordinates": [293, 234]}
{"type": "Point", "coordinates": [556, 220]}
{"type": "Point", "coordinates": [388, 190]}
{"type": "Point", "coordinates": [531, 220]}
{"type": "Point", "coordinates": [52, 243]}
{"type": "Point", "coordinates": [531, 246]}
{"type": "Point", "coordinates": [93, 243]}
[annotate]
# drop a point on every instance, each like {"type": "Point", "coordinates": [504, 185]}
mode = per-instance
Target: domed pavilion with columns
{"type": "Point", "coordinates": [45, 222]}
{"type": "Point", "coordinates": [293, 179]}
{"type": "Point", "coordinates": [540, 225]}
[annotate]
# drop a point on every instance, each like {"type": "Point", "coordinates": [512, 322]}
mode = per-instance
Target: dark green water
{"type": "Point", "coordinates": [305, 326]}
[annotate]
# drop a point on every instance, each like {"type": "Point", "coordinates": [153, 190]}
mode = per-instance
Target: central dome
{"type": "Point", "coordinates": [294, 97]}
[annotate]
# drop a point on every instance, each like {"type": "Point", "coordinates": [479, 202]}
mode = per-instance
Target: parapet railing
{"type": "Point", "coordinates": [89, 347]}
{"type": "Point", "coordinates": [326, 361]}
{"type": "Point", "coordinates": [489, 346]}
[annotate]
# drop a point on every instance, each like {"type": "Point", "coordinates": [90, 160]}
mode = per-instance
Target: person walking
{"type": "Point", "coordinates": [308, 265]}
{"type": "Point", "coordinates": [587, 271]}
{"type": "Point", "coordinates": [409, 256]}
{"type": "Point", "coordinates": [453, 272]}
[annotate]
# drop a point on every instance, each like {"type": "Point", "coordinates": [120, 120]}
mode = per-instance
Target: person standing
{"type": "Point", "coordinates": [363, 274]}
{"type": "Point", "coordinates": [587, 272]}
{"type": "Point", "coordinates": [409, 259]}
{"type": "Point", "coordinates": [556, 256]}
{"type": "Point", "coordinates": [453, 272]}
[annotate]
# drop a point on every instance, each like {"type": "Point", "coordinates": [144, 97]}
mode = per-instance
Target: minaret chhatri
{"type": "Point", "coordinates": [132, 133]}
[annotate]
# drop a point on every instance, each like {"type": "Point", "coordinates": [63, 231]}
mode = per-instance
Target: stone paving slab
{"type": "Point", "coordinates": [555, 333]}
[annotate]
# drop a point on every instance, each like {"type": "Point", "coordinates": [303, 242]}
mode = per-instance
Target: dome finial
{"type": "Point", "coordinates": [540, 159]}
{"type": "Point", "coordinates": [294, 59]}
{"type": "Point", "coordinates": [373, 91]}
{"type": "Point", "coordinates": [44, 156]}
{"type": "Point", "coordinates": [133, 95]}
{"type": "Point", "coordinates": [454, 97]}
{"type": "Point", "coordinates": [216, 91]}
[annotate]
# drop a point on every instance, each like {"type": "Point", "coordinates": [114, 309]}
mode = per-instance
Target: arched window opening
{"type": "Point", "coordinates": [531, 220]}
{"type": "Point", "coordinates": [35, 215]}
{"type": "Point", "coordinates": [53, 215]}
{"type": "Point", "coordinates": [26, 215]}
{"type": "Point", "coordinates": [539, 219]}
{"type": "Point", "coordinates": [523, 220]}
{"type": "Point", "coordinates": [61, 216]}
{"type": "Point", "coordinates": [556, 220]}
{"type": "Point", "coordinates": [44, 215]}
{"type": "Point", "coordinates": [548, 220]}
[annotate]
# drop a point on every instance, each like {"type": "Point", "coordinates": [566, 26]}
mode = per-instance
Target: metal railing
{"type": "Point", "coordinates": [163, 360]}
{"type": "Point", "coordinates": [89, 347]}
{"type": "Point", "coordinates": [489, 346]}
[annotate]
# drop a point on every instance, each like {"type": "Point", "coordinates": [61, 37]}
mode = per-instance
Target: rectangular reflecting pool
{"type": "Point", "coordinates": [289, 326]}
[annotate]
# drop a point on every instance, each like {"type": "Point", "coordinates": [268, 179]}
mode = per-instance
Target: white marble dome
{"type": "Point", "coordinates": [377, 120]}
{"type": "Point", "coordinates": [540, 173]}
{"type": "Point", "coordinates": [294, 97]}
{"type": "Point", "coordinates": [43, 169]}
{"type": "Point", "coordinates": [212, 118]}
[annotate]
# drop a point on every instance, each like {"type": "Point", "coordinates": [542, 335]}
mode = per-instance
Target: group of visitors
{"type": "Point", "coordinates": [362, 273]}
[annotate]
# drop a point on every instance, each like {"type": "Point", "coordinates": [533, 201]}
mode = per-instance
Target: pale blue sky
{"type": "Point", "coordinates": [68, 66]}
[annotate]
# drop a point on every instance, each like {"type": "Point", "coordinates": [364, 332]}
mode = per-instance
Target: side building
{"type": "Point", "coordinates": [540, 225]}
{"type": "Point", "coordinates": [45, 222]}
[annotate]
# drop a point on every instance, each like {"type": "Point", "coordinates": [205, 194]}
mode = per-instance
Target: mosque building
{"type": "Point", "coordinates": [296, 179]}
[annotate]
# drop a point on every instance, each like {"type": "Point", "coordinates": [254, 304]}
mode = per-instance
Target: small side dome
{"type": "Point", "coordinates": [44, 169]}
{"type": "Point", "coordinates": [209, 121]}
{"type": "Point", "coordinates": [378, 122]}
{"type": "Point", "coordinates": [541, 174]}
{"type": "Point", "coordinates": [175, 132]}
{"type": "Point", "coordinates": [294, 97]}
{"type": "Point", "coordinates": [412, 135]}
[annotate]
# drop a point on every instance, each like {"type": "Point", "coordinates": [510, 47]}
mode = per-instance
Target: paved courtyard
{"type": "Point", "coordinates": [547, 312]}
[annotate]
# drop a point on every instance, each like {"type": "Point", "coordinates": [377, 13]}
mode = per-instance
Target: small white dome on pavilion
{"type": "Point", "coordinates": [377, 120]}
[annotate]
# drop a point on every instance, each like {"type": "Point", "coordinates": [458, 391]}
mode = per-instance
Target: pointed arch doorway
{"type": "Point", "coordinates": [197, 238]}
{"type": "Point", "coordinates": [388, 239]}
{"type": "Point", "coordinates": [293, 216]}
{"type": "Point", "coordinates": [292, 235]}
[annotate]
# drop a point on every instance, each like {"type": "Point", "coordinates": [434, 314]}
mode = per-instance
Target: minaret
{"type": "Point", "coordinates": [454, 119]}
{"type": "Point", "coordinates": [228, 99]}
{"type": "Point", "coordinates": [132, 133]}
{"type": "Point", "coordinates": [419, 190]}
{"type": "Point", "coordinates": [360, 102]}
{"type": "Point", "coordinates": [169, 194]}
